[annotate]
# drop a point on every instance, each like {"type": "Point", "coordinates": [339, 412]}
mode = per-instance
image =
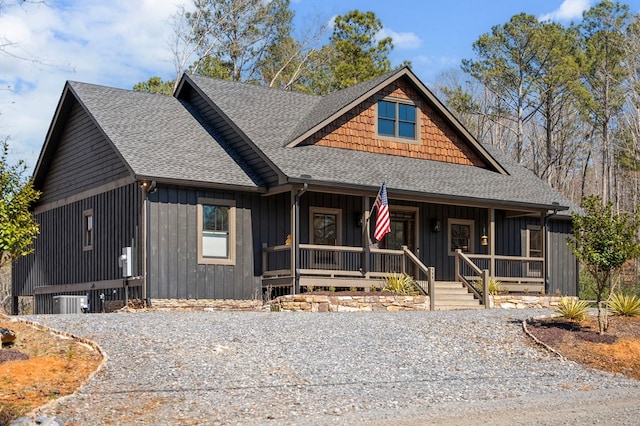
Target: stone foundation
{"type": "Point", "coordinates": [510, 301]}
{"type": "Point", "coordinates": [205, 305]}
{"type": "Point", "coordinates": [322, 303]}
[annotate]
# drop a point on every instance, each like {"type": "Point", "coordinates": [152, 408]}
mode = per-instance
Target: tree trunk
{"type": "Point", "coordinates": [603, 317]}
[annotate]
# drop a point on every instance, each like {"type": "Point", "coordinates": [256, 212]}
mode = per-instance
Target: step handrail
{"type": "Point", "coordinates": [429, 272]}
{"type": "Point", "coordinates": [482, 274]}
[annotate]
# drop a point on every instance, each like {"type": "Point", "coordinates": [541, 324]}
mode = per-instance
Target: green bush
{"type": "Point", "coordinates": [400, 284]}
{"type": "Point", "coordinates": [572, 309]}
{"type": "Point", "coordinates": [495, 286]}
{"type": "Point", "coordinates": [624, 305]}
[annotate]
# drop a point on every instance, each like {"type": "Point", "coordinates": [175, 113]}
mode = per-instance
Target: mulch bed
{"type": "Point", "coordinates": [616, 351]}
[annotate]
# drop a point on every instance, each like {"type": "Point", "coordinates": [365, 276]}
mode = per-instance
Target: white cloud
{"type": "Point", "coordinates": [116, 43]}
{"type": "Point", "coordinates": [568, 10]}
{"type": "Point", "coordinates": [401, 40]}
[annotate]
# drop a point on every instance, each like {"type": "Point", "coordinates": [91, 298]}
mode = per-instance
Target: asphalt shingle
{"type": "Point", "coordinates": [158, 137]}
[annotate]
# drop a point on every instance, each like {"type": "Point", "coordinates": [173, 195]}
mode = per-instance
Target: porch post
{"type": "Point", "coordinates": [365, 235]}
{"type": "Point", "coordinates": [295, 234]}
{"type": "Point", "coordinates": [295, 216]}
{"type": "Point", "coordinates": [543, 235]}
{"type": "Point", "coordinates": [492, 241]}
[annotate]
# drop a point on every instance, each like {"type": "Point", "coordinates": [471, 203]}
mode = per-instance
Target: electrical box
{"type": "Point", "coordinates": [126, 262]}
{"type": "Point", "coordinates": [69, 304]}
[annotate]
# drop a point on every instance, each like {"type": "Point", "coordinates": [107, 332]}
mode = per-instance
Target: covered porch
{"type": "Point", "coordinates": [431, 240]}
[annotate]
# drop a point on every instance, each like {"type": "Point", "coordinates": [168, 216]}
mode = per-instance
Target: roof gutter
{"type": "Point", "coordinates": [424, 197]}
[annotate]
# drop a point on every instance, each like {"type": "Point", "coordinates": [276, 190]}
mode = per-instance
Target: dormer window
{"type": "Point", "coordinates": [397, 119]}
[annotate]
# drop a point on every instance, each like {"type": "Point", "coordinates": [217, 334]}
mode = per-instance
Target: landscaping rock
{"type": "Point", "coordinates": [7, 336]}
{"type": "Point", "coordinates": [39, 421]}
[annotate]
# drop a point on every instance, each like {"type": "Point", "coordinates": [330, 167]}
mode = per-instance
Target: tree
{"type": "Point", "coordinates": [505, 64]}
{"type": "Point", "coordinates": [603, 29]}
{"type": "Point", "coordinates": [155, 85]}
{"type": "Point", "coordinates": [235, 32]}
{"type": "Point", "coordinates": [557, 87]}
{"type": "Point", "coordinates": [358, 56]}
{"type": "Point", "coordinates": [603, 241]}
{"type": "Point", "coordinates": [18, 227]}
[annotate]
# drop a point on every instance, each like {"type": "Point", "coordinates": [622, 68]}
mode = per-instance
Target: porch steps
{"type": "Point", "coordinates": [451, 295]}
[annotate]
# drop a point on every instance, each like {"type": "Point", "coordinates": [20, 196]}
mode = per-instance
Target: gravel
{"type": "Point", "coordinates": [332, 368]}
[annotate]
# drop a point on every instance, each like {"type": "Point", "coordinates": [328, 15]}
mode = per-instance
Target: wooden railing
{"type": "Point", "coordinates": [515, 273]}
{"type": "Point", "coordinates": [468, 273]}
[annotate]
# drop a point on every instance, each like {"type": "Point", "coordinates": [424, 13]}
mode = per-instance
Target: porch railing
{"type": "Point", "coordinates": [515, 273]}
{"type": "Point", "coordinates": [344, 262]}
{"type": "Point", "coordinates": [468, 273]}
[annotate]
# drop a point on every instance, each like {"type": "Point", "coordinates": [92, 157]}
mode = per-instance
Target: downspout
{"type": "Point", "coordinates": [146, 188]}
{"type": "Point", "coordinates": [546, 246]}
{"type": "Point", "coordinates": [296, 237]}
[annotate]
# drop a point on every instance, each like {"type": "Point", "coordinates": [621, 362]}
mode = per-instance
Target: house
{"type": "Point", "coordinates": [228, 190]}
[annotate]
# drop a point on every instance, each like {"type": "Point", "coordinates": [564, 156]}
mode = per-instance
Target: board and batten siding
{"type": "Point", "coordinates": [563, 266]}
{"type": "Point", "coordinates": [59, 256]}
{"type": "Point", "coordinates": [83, 159]}
{"type": "Point", "coordinates": [174, 271]}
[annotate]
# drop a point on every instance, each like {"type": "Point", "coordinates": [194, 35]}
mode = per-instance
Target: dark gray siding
{"type": "Point", "coordinates": [59, 257]}
{"type": "Point", "coordinates": [563, 267]}
{"type": "Point", "coordinates": [434, 245]}
{"type": "Point", "coordinates": [82, 160]}
{"type": "Point", "coordinates": [174, 271]}
{"type": "Point", "coordinates": [246, 157]}
{"type": "Point", "coordinates": [351, 211]}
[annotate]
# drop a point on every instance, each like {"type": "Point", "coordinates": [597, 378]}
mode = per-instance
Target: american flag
{"type": "Point", "coordinates": [383, 222]}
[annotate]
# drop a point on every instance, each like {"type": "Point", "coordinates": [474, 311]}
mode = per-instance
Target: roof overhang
{"type": "Point", "coordinates": [433, 100]}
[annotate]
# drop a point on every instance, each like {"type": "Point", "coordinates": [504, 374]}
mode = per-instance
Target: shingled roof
{"type": "Point", "coordinates": [163, 137]}
{"type": "Point", "coordinates": [267, 117]}
{"type": "Point", "coordinates": [156, 136]}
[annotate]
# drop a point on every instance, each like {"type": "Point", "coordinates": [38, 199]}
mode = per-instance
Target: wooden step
{"type": "Point", "coordinates": [454, 295]}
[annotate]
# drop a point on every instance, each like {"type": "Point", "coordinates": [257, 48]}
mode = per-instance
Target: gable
{"type": "Point", "coordinates": [436, 140]}
{"type": "Point", "coordinates": [82, 159]}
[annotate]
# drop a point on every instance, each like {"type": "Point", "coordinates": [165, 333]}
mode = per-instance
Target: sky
{"type": "Point", "coordinates": [119, 43]}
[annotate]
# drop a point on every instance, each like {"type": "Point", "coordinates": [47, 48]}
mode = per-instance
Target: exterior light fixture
{"type": "Point", "coordinates": [484, 240]}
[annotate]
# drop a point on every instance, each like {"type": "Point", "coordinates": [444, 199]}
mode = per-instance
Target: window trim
{"type": "Point", "coordinates": [530, 271]}
{"type": "Point", "coordinates": [88, 229]}
{"type": "Point", "coordinates": [471, 224]}
{"type": "Point", "coordinates": [397, 101]}
{"type": "Point", "coordinates": [231, 259]}
{"type": "Point", "coordinates": [325, 210]}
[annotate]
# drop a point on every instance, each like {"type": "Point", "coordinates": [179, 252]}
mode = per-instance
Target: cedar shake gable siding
{"type": "Point", "coordinates": [356, 130]}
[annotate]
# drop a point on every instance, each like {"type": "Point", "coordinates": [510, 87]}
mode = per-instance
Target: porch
{"type": "Point", "coordinates": [364, 268]}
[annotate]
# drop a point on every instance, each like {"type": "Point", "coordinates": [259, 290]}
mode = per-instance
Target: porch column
{"type": "Point", "coordinates": [296, 193]}
{"type": "Point", "coordinates": [492, 241]}
{"type": "Point", "coordinates": [295, 216]}
{"type": "Point", "coordinates": [365, 235]}
{"type": "Point", "coordinates": [543, 235]}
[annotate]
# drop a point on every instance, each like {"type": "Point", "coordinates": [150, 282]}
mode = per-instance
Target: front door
{"type": "Point", "coordinates": [402, 231]}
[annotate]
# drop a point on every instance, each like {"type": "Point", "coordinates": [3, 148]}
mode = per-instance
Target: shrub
{"type": "Point", "coordinates": [624, 305]}
{"type": "Point", "coordinates": [400, 284]}
{"type": "Point", "coordinates": [573, 309]}
{"type": "Point", "coordinates": [495, 286]}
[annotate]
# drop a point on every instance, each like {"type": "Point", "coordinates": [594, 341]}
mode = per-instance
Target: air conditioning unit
{"type": "Point", "coordinates": [69, 304]}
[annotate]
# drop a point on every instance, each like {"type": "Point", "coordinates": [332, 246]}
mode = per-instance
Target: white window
{"type": "Point", "coordinates": [87, 230]}
{"type": "Point", "coordinates": [460, 235]}
{"type": "Point", "coordinates": [216, 231]}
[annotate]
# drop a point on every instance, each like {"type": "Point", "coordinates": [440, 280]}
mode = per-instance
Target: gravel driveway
{"type": "Point", "coordinates": [192, 368]}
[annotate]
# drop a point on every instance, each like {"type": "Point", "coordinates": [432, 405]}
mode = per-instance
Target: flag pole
{"type": "Point", "coordinates": [374, 203]}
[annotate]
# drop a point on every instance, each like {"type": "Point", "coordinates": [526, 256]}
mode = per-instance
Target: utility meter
{"type": "Point", "coordinates": [126, 262]}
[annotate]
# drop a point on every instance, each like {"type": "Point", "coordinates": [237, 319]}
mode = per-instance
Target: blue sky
{"type": "Point", "coordinates": [121, 42]}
